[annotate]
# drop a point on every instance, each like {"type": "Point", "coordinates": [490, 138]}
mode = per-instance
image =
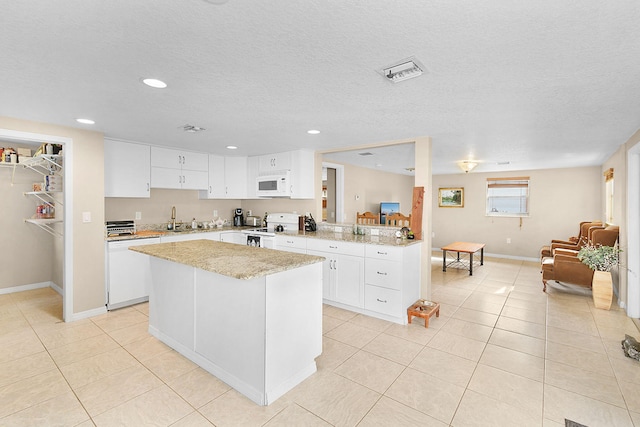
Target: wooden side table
{"type": "Point", "coordinates": [425, 309]}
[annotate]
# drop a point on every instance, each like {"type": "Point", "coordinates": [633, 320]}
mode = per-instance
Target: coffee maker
{"type": "Point", "coordinates": [238, 218]}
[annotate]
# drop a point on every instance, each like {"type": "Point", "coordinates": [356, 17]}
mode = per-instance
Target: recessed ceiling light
{"type": "Point", "coordinates": [86, 121]}
{"type": "Point", "coordinates": [158, 84]}
{"type": "Point", "coordinates": [313, 132]}
{"type": "Point", "coordinates": [232, 147]}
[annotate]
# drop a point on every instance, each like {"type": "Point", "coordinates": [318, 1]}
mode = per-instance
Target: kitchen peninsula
{"type": "Point", "coordinates": [250, 316]}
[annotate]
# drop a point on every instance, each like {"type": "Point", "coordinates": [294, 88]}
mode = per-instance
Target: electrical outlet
{"type": "Point", "coordinates": [138, 215]}
{"type": "Point", "coordinates": [508, 239]}
{"type": "Point", "coordinates": [86, 216]}
{"type": "Point", "coordinates": [215, 213]}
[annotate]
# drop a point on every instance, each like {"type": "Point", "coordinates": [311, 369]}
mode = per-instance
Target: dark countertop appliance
{"type": "Point", "coordinates": [238, 218]}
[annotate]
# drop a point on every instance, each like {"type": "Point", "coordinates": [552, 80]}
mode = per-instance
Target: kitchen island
{"type": "Point", "coordinates": [250, 316]}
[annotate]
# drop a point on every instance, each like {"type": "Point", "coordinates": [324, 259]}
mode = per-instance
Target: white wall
{"type": "Point", "coordinates": [559, 200]}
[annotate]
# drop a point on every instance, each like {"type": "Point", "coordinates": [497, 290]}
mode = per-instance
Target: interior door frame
{"type": "Point", "coordinates": [339, 189]}
{"type": "Point", "coordinates": [633, 232]}
{"type": "Point", "coordinates": [67, 269]}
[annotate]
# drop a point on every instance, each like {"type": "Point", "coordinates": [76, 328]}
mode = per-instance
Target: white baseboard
{"type": "Point", "coordinates": [28, 287]}
{"type": "Point", "coordinates": [503, 256]}
{"type": "Point", "coordinates": [88, 313]}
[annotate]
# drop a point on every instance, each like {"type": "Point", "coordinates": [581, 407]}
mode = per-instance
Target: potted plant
{"type": "Point", "coordinates": [601, 259]}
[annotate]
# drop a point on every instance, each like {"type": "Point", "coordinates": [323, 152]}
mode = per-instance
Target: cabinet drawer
{"type": "Point", "coordinates": [335, 246]}
{"type": "Point", "coordinates": [382, 300]}
{"type": "Point", "coordinates": [383, 273]}
{"type": "Point", "coordinates": [291, 242]}
{"type": "Point", "coordinates": [384, 252]}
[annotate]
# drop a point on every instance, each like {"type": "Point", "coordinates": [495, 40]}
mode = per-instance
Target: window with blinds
{"type": "Point", "coordinates": [508, 196]}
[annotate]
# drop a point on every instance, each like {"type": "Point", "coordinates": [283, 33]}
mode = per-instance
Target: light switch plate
{"type": "Point", "coordinates": [138, 215]}
{"type": "Point", "coordinates": [86, 216]}
{"type": "Point", "coordinates": [215, 213]}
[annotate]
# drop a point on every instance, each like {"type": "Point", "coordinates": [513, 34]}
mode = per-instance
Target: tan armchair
{"type": "Point", "coordinates": [566, 268]}
{"type": "Point", "coordinates": [598, 236]}
{"type": "Point", "coordinates": [571, 242]}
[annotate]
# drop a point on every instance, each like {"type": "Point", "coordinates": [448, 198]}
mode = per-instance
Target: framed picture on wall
{"type": "Point", "coordinates": [451, 197]}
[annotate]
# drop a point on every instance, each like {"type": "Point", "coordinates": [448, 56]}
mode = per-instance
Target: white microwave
{"type": "Point", "coordinates": [273, 185]}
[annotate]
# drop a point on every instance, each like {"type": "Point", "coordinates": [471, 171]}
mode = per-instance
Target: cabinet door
{"type": "Point", "coordinates": [302, 174]}
{"type": "Point", "coordinates": [166, 158]}
{"type": "Point", "coordinates": [195, 161]}
{"type": "Point", "coordinates": [275, 162]}
{"type": "Point", "coordinates": [328, 276]}
{"type": "Point", "coordinates": [166, 178]}
{"type": "Point", "coordinates": [235, 177]}
{"type": "Point", "coordinates": [216, 188]}
{"type": "Point", "coordinates": [349, 280]}
{"type": "Point", "coordinates": [127, 169]}
{"type": "Point", "coordinates": [194, 180]}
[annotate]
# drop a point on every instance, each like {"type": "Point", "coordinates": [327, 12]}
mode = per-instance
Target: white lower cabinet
{"type": "Point", "coordinates": [182, 236]}
{"type": "Point", "coordinates": [392, 280]}
{"type": "Point", "coordinates": [236, 237]}
{"type": "Point", "coordinates": [128, 273]}
{"type": "Point", "coordinates": [343, 270]}
{"type": "Point", "coordinates": [376, 280]}
{"type": "Point", "coordinates": [291, 244]}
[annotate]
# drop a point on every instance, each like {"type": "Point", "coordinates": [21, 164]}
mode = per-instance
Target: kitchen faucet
{"type": "Point", "coordinates": [173, 218]}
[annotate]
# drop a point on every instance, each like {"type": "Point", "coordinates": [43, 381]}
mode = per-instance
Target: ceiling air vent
{"type": "Point", "coordinates": [191, 128]}
{"type": "Point", "coordinates": [403, 70]}
{"type": "Point", "coordinates": [367, 153]}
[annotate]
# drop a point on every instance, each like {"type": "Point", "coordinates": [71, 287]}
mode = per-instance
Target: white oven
{"type": "Point", "coordinates": [275, 184]}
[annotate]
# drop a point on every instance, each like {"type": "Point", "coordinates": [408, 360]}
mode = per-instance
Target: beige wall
{"type": "Point", "coordinates": [88, 192]}
{"type": "Point", "coordinates": [371, 187]}
{"type": "Point", "coordinates": [559, 200]}
{"type": "Point", "coordinates": [157, 208]}
{"type": "Point", "coordinates": [26, 251]}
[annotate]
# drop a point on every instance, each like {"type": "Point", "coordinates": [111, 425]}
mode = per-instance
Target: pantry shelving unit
{"type": "Point", "coordinates": [45, 164]}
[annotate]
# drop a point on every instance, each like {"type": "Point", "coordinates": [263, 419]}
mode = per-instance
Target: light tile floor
{"type": "Point", "coordinates": [502, 353]}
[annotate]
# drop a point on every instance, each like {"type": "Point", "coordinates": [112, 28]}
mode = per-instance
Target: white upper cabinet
{"type": "Point", "coordinates": [227, 178]}
{"type": "Point", "coordinates": [127, 169]}
{"type": "Point", "coordinates": [275, 162]}
{"type": "Point", "coordinates": [179, 169]}
{"type": "Point", "coordinates": [300, 163]}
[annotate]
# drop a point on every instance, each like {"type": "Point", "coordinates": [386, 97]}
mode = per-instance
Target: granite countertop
{"type": "Point", "coordinates": [148, 233]}
{"type": "Point", "coordinates": [229, 259]}
{"type": "Point", "coordinates": [358, 238]}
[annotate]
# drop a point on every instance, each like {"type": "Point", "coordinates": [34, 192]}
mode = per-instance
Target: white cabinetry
{"type": "Point", "coordinates": [236, 237]}
{"type": "Point", "coordinates": [392, 277]}
{"type": "Point", "coordinates": [227, 178]}
{"type": "Point", "coordinates": [275, 162]}
{"type": "Point", "coordinates": [128, 273]}
{"type": "Point", "coordinates": [300, 163]}
{"type": "Point", "coordinates": [302, 174]}
{"type": "Point", "coordinates": [182, 236]}
{"type": "Point", "coordinates": [127, 169]}
{"type": "Point", "coordinates": [179, 169]}
{"type": "Point", "coordinates": [343, 270]}
{"type": "Point", "coordinates": [291, 244]}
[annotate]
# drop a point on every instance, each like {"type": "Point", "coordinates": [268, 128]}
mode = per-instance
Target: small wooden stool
{"type": "Point", "coordinates": [425, 309]}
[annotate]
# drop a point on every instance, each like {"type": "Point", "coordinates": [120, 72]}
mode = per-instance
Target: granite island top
{"type": "Point", "coordinates": [228, 259]}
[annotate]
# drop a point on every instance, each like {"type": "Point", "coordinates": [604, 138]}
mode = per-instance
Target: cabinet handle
{"type": "Point", "coordinates": [148, 186]}
{"type": "Point", "coordinates": [209, 189]}
{"type": "Point", "coordinates": [382, 274]}
{"type": "Point", "coordinates": [290, 241]}
{"type": "Point", "coordinates": [333, 247]}
{"type": "Point", "coordinates": [381, 253]}
{"type": "Point", "coordinates": [179, 159]}
{"type": "Point", "coordinates": [335, 264]}
{"type": "Point", "coordinates": [379, 300]}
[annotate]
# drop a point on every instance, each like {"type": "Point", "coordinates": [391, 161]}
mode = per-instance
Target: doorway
{"type": "Point", "coordinates": [332, 192]}
{"type": "Point", "coordinates": [29, 138]}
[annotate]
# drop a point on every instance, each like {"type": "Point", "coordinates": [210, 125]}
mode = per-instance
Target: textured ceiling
{"type": "Point", "coordinates": [538, 84]}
